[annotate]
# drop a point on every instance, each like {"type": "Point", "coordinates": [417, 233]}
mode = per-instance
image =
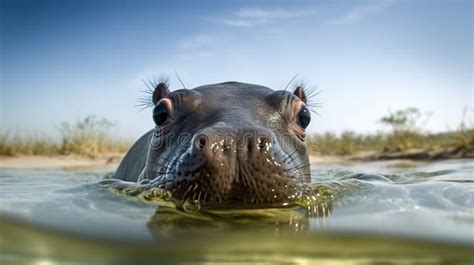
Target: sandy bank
{"type": "Point", "coordinates": [56, 161]}
{"type": "Point", "coordinates": [111, 161]}
{"type": "Point", "coordinates": [77, 161]}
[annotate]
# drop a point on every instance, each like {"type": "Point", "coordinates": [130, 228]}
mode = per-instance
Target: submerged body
{"type": "Point", "coordinates": [224, 142]}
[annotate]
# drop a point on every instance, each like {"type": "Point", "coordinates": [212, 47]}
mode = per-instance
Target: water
{"type": "Point", "coordinates": [354, 213]}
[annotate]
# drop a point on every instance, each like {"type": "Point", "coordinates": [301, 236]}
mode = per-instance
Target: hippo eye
{"type": "Point", "coordinates": [304, 117]}
{"type": "Point", "coordinates": [160, 114]}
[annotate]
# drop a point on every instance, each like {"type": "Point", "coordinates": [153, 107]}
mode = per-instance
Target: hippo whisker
{"type": "Point", "coordinates": [150, 86]}
{"type": "Point", "coordinates": [143, 108]}
{"type": "Point", "coordinates": [313, 106]}
{"type": "Point", "coordinates": [186, 192]}
{"type": "Point", "coordinates": [153, 84]}
{"type": "Point", "coordinates": [313, 109]}
{"type": "Point", "coordinates": [289, 83]}
{"type": "Point", "coordinates": [179, 79]}
{"type": "Point", "coordinates": [147, 91]}
{"type": "Point", "coordinates": [298, 167]}
{"type": "Point", "coordinates": [167, 159]}
{"type": "Point", "coordinates": [165, 167]}
{"type": "Point", "coordinates": [171, 162]}
{"type": "Point", "coordinates": [162, 174]}
{"type": "Point", "coordinates": [144, 103]}
{"type": "Point", "coordinates": [309, 94]}
{"type": "Point", "coordinates": [144, 100]}
{"type": "Point", "coordinates": [312, 92]}
{"type": "Point", "coordinates": [290, 157]}
{"type": "Point", "coordinates": [162, 169]}
{"type": "Point", "coordinates": [147, 101]}
{"type": "Point", "coordinates": [194, 195]}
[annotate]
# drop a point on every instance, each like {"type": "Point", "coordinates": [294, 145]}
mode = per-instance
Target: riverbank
{"type": "Point", "coordinates": [412, 154]}
{"type": "Point", "coordinates": [42, 162]}
{"type": "Point", "coordinates": [74, 161]}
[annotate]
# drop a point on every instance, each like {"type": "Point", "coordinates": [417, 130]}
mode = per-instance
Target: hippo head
{"type": "Point", "coordinates": [229, 142]}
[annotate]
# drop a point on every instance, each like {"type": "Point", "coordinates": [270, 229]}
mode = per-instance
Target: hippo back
{"type": "Point", "coordinates": [134, 161]}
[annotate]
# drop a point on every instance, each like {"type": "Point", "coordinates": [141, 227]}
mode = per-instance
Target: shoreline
{"type": "Point", "coordinates": [43, 162]}
{"type": "Point", "coordinates": [72, 161]}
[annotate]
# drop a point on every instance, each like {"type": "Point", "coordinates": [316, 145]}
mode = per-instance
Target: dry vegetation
{"type": "Point", "coordinates": [87, 137]}
{"type": "Point", "coordinates": [349, 143]}
{"type": "Point", "coordinates": [91, 137]}
{"type": "Point", "coordinates": [405, 134]}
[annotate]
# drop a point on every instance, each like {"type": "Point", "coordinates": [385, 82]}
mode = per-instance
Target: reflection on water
{"type": "Point", "coordinates": [357, 213]}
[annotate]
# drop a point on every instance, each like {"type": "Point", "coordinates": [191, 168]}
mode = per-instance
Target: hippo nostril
{"type": "Point", "coordinates": [250, 146]}
{"type": "Point", "coordinates": [201, 141]}
{"type": "Point", "coordinates": [259, 143]}
{"type": "Point", "coordinates": [263, 143]}
{"type": "Point", "coordinates": [225, 147]}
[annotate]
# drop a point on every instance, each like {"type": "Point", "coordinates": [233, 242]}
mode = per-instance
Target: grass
{"type": "Point", "coordinates": [91, 137]}
{"type": "Point", "coordinates": [405, 134]}
{"type": "Point", "coordinates": [30, 145]}
{"type": "Point", "coordinates": [87, 137]}
{"type": "Point", "coordinates": [350, 143]}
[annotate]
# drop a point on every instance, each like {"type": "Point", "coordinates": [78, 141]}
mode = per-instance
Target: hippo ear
{"type": "Point", "coordinates": [161, 91]}
{"type": "Point", "coordinates": [299, 92]}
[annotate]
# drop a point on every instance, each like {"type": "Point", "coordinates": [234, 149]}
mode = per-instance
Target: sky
{"type": "Point", "coordinates": [63, 60]}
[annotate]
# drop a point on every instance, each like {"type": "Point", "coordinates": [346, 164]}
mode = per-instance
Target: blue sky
{"type": "Point", "coordinates": [63, 60]}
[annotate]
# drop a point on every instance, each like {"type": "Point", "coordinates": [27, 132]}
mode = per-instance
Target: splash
{"type": "Point", "coordinates": [314, 198]}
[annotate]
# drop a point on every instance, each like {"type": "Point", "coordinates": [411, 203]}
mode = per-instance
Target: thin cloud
{"type": "Point", "coordinates": [249, 17]}
{"type": "Point", "coordinates": [240, 22]}
{"type": "Point", "coordinates": [358, 13]}
{"type": "Point", "coordinates": [197, 41]}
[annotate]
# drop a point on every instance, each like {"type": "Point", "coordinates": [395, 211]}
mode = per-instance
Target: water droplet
{"type": "Point", "coordinates": [157, 193]}
{"type": "Point", "coordinates": [191, 206]}
{"type": "Point", "coordinates": [167, 195]}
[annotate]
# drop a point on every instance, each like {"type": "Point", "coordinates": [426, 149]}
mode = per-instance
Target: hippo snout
{"type": "Point", "coordinates": [217, 146]}
{"type": "Point", "coordinates": [233, 165]}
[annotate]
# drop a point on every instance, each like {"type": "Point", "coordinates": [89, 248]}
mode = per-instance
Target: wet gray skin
{"type": "Point", "coordinates": [233, 143]}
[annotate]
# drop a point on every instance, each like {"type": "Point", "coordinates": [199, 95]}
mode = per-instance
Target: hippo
{"type": "Point", "coordinates": [230, 142]}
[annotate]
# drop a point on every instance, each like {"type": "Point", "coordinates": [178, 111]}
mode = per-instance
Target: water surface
{"type": "Point", "coordinates": [371, 212]}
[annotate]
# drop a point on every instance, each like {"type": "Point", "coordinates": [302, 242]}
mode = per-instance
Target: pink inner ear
{"type": "Point", "coordinates": [168, 104]}
{"type": "Point", "coordinates": [160, 92]}
{"type": "Point", "coordinates": [300, 94]}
